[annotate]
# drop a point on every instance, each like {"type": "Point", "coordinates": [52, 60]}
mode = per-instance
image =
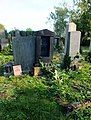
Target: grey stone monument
{"type": "Point", "coordinates": [24, 52]}
{"type": "Point", "coordinates": [72, 41]}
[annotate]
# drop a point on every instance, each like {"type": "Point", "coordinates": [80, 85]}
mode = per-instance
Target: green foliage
{"type": "Point", "coordinates": [88, 57]}
{"type": "Point", "coordinates": [28, 33]}
{"type": "Point", "coordinates": [7, 50]}
{"type": "Point", "coordinates": [66, 62]}
{"type": "Point", "coordinates": [12, 33]}
{"type": "Point", "coordinates": [5, 58]}
{"type": "Point", "coordinates": [47, 69]}
{"type": "Point", "coordinates": [58, 48]}
{"type": "Point", "coordinates": [82, 17]}
{"type": "Point", "coordinates": [83, 114]}
{"type": "Point", "coordinates": [29, 29]}
{"type": "Point", "coordinates": [34, 98]}
{"type": "Point", "coordinates": [59, 17]}
{"type": "Point", "coordinates": [80, 14]}
{"type": "Point", "coordinates": [27, 98]}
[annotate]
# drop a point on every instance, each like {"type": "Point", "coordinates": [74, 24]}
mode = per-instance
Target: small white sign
{"type": "Point", "coordinates": [17, 70]}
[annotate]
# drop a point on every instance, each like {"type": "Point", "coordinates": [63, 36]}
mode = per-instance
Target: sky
{"type": "Point", "coordinates": [23, 14]}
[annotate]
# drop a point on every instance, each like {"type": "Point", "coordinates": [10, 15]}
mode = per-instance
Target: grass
{"type": "Point", "coordinates": [34, 98]}
{"type": "Point", "coordinates": [27, 98]}
{"type": "Point", "coordinates": [3, 60]}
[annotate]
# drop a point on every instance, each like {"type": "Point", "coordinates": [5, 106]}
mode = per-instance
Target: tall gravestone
{"type": "Point", "coordinates": [72, 41]}
{"type": "Point", "coordinates": [24, 51]}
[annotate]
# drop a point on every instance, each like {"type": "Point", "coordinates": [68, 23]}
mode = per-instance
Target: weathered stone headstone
{"type": "Point", "coordinates": [72, 41]}
{"type": "Point", "coordinates": [28, 50]}
{"type": "Point", "coordinates": [24, 52]}
{"type": "Point", "coordinates": [69, 27]}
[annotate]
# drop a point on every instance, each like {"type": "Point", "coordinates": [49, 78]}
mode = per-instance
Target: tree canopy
{"type": "Point", "coordinates": [82, 17]}
{"type": "Point", "coordinates": [59, 18]}
{"type": "Point", "coordinates": [80, 14]}
{"type": "Point", "coordinates": [29, 29]}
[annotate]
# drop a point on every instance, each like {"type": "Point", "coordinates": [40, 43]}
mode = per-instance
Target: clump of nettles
{"type": "Point", "coordinates": [88, 57]}
{"type": "Point", "coordinates": [7, 50]}
{"type": "Point", "coordinates": [66, 62]}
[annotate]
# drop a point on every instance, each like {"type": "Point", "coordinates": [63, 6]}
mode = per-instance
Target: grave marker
{"type": "Point", "coordinates": [17, 70]}
{"type": "Point", "coordinates": [72, 41]}
{"type": "Point", "coordinates": [36, 71]}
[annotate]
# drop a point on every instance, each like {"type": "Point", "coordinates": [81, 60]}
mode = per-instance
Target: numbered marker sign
{"type": "Point", "coordinates": [17, 70]}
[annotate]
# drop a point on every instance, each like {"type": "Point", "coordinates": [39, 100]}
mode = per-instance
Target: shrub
{"type": "Point", "coordinates": [88, 57]}
{"type": "Point", "coordinates": [66, 62]}
{"type": "Point", "coordinates": [7, 50]}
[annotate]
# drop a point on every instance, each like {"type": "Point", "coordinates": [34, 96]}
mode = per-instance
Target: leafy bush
{"type": "Point", "coordinates": [88, 57]}
{"type": "Point", "coordinates": [34, 98]}
{"type": "Point", "coordinates": [58, 48]}
{"type": "Point", "coordinates": [7, 50]}
{"type": "Point", "coordinates": [66, 62]}
{"type": "Point", "coordinates": [3, 60]}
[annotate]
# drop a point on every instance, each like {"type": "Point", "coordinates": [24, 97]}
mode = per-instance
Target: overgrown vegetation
{"type": "Point", "coordinates": [3, 60]}
{"type": "Point", "coordinates": [66, 62]}
{"type": "Point", "coordinates": [7, 50]}
{"type": "Point", "coordinates": [88, 57]}
{"type": "Point", "coordinates": [31, 98]}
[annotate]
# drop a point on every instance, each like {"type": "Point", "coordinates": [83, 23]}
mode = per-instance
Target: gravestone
{"type": "Point", "coordinates": [44, 45]}
{"type": "Point", "coordinates": [27, 50]}
{"type": "Point", "coordinates": [24, 52]}
{"type": "Point", "coordinates": [72, 41]}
